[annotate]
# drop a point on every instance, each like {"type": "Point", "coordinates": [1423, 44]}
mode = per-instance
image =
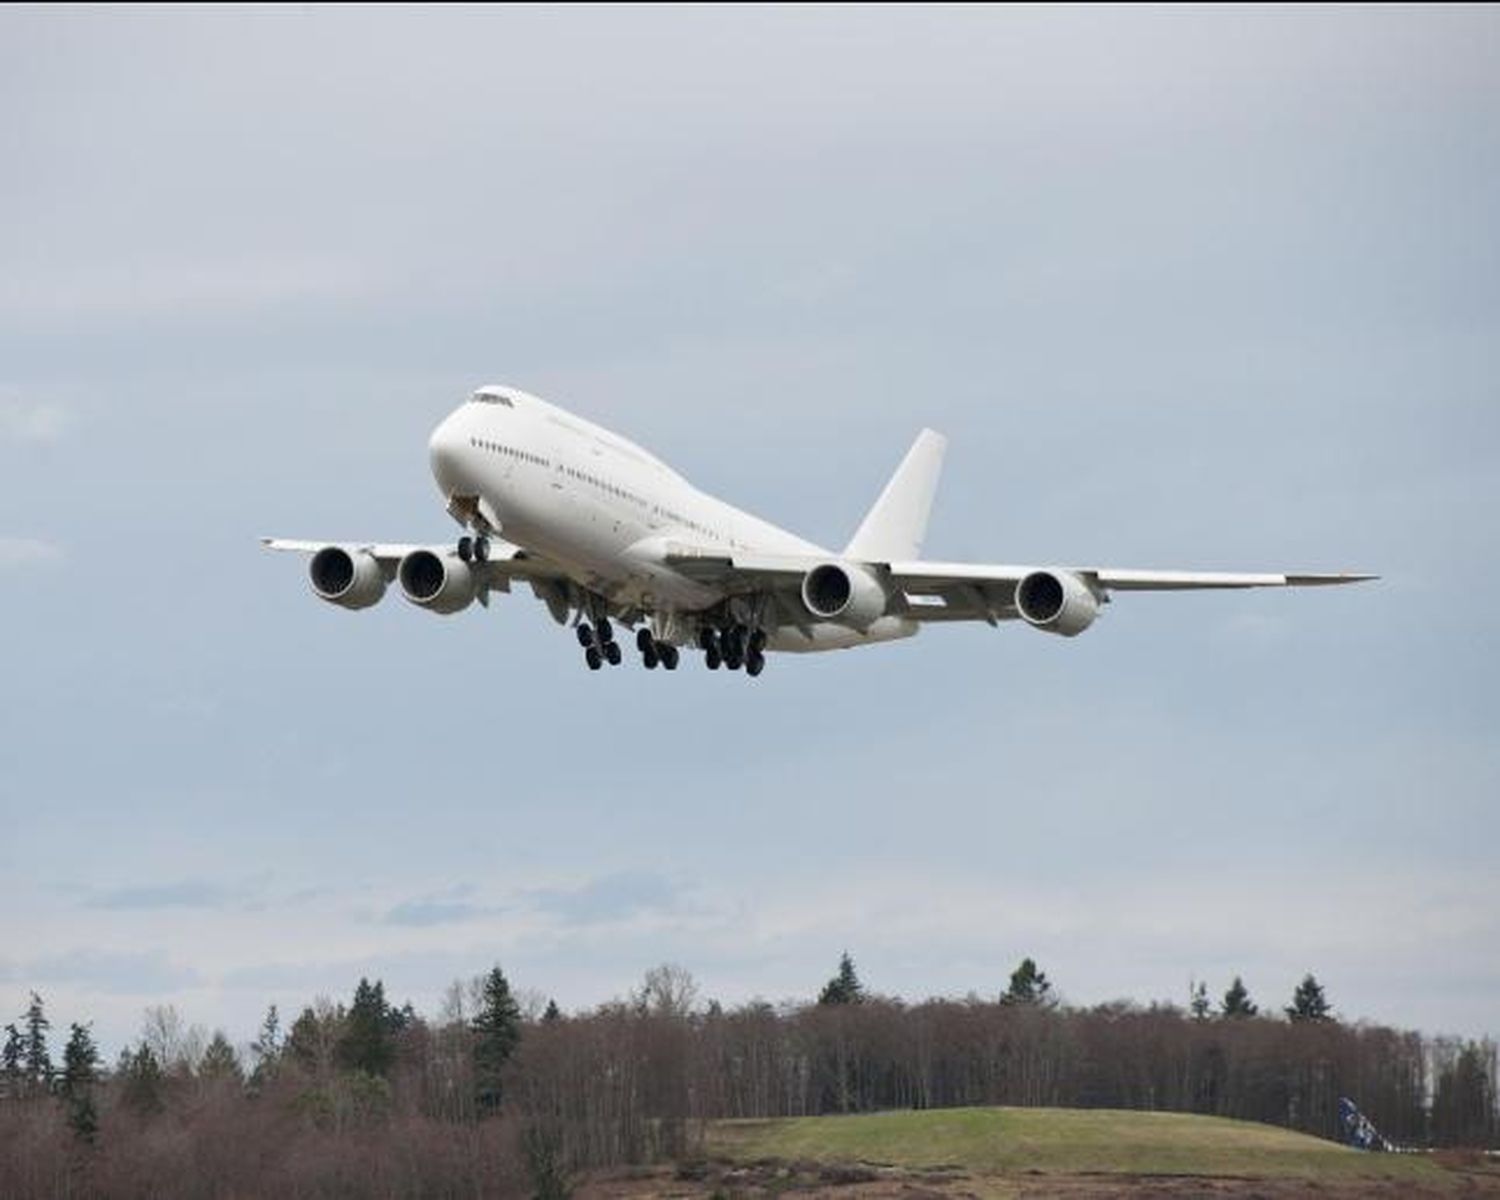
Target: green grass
{"type": "Point", "coordinates": [1012, 1141]}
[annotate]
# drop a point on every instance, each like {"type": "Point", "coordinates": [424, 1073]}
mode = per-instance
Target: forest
{"type": "Point", "coordinates": [501, 1093]}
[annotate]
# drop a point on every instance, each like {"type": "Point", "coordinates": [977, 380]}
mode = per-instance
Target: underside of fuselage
{"type": "Point", "coordinates": [631, 583]}
{"type": "Point", "coordinates": [600, 524]}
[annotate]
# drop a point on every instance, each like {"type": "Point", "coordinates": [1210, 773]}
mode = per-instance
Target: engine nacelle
{"type": "Point", "coordinates": [1056, 602]}
{"type": "Point", "coordinates": [439, 583]}
{"type": "Point", "coordinates": [843, 592]}
{"type": "Point", "coordinates": [348, 578]}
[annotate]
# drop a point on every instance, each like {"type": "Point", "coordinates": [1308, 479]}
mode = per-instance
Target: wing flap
{"type": "Point", "coordinates": [1168, 581]}
{"type": "Point", "coordinates": [737, 571]}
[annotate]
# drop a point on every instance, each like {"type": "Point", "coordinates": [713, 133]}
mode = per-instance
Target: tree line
{"type": "Point", "coordinates": [501, 1095]}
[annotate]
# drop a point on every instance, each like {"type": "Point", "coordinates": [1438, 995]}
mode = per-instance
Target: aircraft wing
{"type": "Point", "coordinates": [939, 591]}
{"type": "Point", "coordinates": [507, 561]}
{"type": "Point", "coordinates": [384, 551]}
{"type": "Point", "coordinates": [944, 591]}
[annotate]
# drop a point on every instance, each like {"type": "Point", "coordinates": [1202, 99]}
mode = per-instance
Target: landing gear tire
{"type": "Point", "coordinates": [712, 658]}
{"type": "Point", "coordinates": [757, 641]}
{"type": "Point", "coordinates": [591, 656]}
{"type": "Point", "coordinates": [481, 549]}
{"type": "Point", "coordinates": [585, 634]}
{"type": "Point", "coordinates": [466, 548]}
{"type": "Point", "coordinates": [668, 653]}
{"type": "Point", "coordinates": [644, 642]}
{"type": "Point", "coordinates": [605, 632]}
{"type": "Point", "coordinates": [755, 663]}
{"type": "Point", "coordinates": [708, 639]}
{"type": "Point", "coordinates": [612, 653]}
{"type": "Point", "coordinates": [649, 658]}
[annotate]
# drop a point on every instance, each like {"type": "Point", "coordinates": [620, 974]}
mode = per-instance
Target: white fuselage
{"type": "Point", "coordinates": [602, 508]}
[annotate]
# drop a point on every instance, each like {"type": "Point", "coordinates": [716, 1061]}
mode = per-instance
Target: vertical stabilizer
{"type": "Point", "coordinates": [894, 527]}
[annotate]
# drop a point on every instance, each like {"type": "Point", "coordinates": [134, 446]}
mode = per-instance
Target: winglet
{"type": "Point", "coordinates": [894, 527]}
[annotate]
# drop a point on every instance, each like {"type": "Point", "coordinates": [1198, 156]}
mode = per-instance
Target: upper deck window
{"type": "Point", "coordinates": [492, 398]}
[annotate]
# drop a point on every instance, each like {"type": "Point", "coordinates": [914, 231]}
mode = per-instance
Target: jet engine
{"type": "Point", "coordinates": [1056, 602]}
{"type": "Point", "coordinates": [348, 578]}
{"type": "Point", "coordinates": [439, 583]}
{"type": "Point", "coordinates": [844, 592]}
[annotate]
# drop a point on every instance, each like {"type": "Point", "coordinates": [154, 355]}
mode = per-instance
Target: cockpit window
{"type": "Point", "coordinates": [492, 398]}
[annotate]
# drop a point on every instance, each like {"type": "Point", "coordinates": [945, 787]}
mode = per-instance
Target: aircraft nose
{"type": "Point", "coordinates": [445, 452]}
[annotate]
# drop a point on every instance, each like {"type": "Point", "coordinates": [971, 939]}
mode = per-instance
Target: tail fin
{"type": "Point", "coordinates": [895, 525]}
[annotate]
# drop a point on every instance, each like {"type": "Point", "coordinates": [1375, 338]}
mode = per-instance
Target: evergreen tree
{"type": "Point", "coordinates": [1028, 986]}
{"type": "Point", "coordinates": [36, 1063]}
{"type": "Point", "coordinates": [553, 1013]}
{"type": "Point", "coordinates": [220, 1060]}
{"type": "Point", "coordinates": [302, 1041]}
{"type": "Point", "coordinates": [316, 1037]}
{"type": "Point", "coordinates": [1200, 1005]}
{"type": "Point", "coordinates": [83, 1117]}
{"type": "Point", "coordinates": [267, 1048]}
{"type": "Point", "coordinates": [268, 1042]}
{"type": "Point", "coordinates": [10, 1060]}
{"type": "Point", "coordinates": [80, 1072]}
{"type": "Point", "coordinates": [1237, 1001]}
{"type": "Point", "coordinates": [367, 1043]}
{"type": "Point", "coordinates": [497, 1031]}
{"type": "Point", "coordinates": [80, 1061]}
{"type": "Point", "coordinates": [1463, 1101]}
{"type": "Point", "coordinates": [141, 1078]}
{"type": "Point", "coordinates": [1309, 1003]}
{"type": "Point", "coordinates": [845, 987]}
{"type": "Point", "coordinates": [403, 1018]}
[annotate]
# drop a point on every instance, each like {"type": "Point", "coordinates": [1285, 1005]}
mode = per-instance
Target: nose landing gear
{"type": "Point", "coordinates": [474, 549]}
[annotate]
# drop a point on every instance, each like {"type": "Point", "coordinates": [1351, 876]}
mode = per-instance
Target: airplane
{"type": "Point", "coordinates": [603, 531]}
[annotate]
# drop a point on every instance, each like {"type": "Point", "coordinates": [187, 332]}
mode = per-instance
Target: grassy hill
{"type": "Point", "coordinates": [1027, 1142]}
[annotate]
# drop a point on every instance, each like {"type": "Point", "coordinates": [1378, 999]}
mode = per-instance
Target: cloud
{"type": "Point", "coordinates": [446, 907]}
{"type": "Point", "coordinates": [145, 973]}
{"type": "Point", "coordinates": [30, 423]}
{"type": "Point", "coordinates": [28, 552]}
{"type": "Point", "coordinates": [187, 289]}
{"type": "Point", "coordinates": [331, 974]}
{"type": "Point", "coordinates": [434, 911]}
{"type": "Point", "coordinates": [187, 894]}
{"type": "Point", "coordinates": [606, 899]}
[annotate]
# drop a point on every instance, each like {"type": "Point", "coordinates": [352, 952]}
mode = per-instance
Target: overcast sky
{"type": "Point", "coordinates": [1211, 289]}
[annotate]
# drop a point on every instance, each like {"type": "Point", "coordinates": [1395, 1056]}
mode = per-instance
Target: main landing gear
{"type": "Point", "coordinates": [599, 645]}
{"type": "Point", "coordinates": [654, 651]}
{"type": "Point", "coordinates": [733, 648]}
{"type": "Point", "coordinates": [733, 645]}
